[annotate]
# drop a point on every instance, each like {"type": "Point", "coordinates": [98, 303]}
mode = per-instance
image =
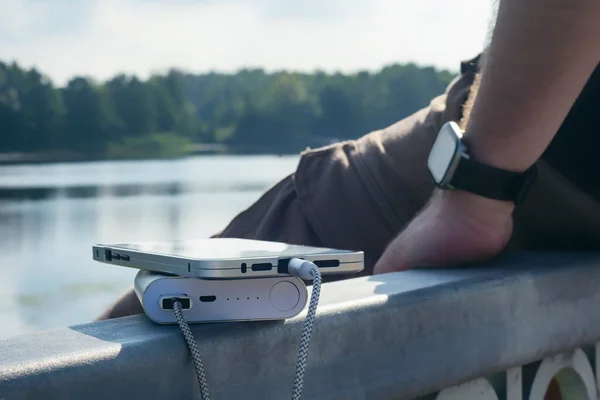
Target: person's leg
{"type": "Point", "coordinates": [276, 216]}
{"type": "Point", "coordinates": [127, 304]}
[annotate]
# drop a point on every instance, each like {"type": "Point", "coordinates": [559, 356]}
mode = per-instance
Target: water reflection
{"type": "Point", "coordinates": [122, 190]}
{"type": "Point", "coordinates": [51, 215]}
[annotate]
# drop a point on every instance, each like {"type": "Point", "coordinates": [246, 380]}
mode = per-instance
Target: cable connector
{"type": "Point", "coordinates": [302, 269]}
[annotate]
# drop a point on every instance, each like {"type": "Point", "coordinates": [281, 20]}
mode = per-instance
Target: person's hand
{"type": "Point", "coordinates": [455, 228]}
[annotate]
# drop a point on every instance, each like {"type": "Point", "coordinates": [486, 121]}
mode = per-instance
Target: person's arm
{"type": "Point", "coordinates": [541, 54]}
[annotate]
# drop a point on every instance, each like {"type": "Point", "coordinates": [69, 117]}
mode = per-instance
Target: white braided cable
{"type": "Point", "coordinates": [193, 347]}
{"type": "Point", "coordinates": [301, 271]}
{"type": "Point", "coordinates": [299, 268]}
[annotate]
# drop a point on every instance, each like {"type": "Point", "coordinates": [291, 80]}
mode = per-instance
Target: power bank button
{"type": "Point", "coordinates": [284, 296]}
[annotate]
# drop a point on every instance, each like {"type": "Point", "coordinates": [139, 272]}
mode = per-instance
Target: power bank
{"type": "Point", "coordinates": [227, 300]}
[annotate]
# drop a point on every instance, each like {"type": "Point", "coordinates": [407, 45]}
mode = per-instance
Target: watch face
{"type": "Point", "coordinates": [444, 154]}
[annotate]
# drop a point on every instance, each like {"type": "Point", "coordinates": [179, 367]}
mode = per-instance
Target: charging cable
{"type": "Point", "coordinates": [308, 271]}
{"type": "Point", "coordinates": [193, 347]}
{"type": "Point", "coordinates": [299, 268]}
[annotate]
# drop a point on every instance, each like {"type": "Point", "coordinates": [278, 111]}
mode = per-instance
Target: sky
{"type": "Point", "coordinates": [100, 38]}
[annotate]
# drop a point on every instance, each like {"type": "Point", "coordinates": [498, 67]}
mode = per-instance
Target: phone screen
{"type": "Point", "coordinates": [224, 248]}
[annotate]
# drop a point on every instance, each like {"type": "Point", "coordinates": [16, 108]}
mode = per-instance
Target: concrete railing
{"type": "Point", "coordinates": [499, 332]}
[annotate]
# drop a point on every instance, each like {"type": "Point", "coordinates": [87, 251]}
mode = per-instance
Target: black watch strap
{"type": "Point", "coordinates": [491, 182]}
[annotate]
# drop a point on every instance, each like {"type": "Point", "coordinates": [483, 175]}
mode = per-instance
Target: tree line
{"type": "Point", "coordinates": [248, 111]}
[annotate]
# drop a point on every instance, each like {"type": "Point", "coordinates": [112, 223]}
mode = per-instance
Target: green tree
{"type": "Point", "coordinates": [250, 111]}
{"type": "Point", "coordinates": [91, 120]}
{"type": "Point", "coordinates": [134, 104]}
{"type": "Point", "coordinates": [31, 110]}
{"type": "Point", "coordinates": [10, 108]}
{"type": "Point", "coordinates": [43, 113]}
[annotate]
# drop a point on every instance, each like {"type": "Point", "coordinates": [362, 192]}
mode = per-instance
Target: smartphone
{"type": "Point", "coordinates": [226, 258]}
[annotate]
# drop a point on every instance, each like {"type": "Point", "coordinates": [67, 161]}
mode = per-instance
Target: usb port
{"type": "Point", "coordinates": [166, 302]}
{"type": "Point", "coordinates": [327, 263]}
{"type": "Point", "coordinates": [262, 267]}
{"type": "Point", "coordinates": [208, 299]}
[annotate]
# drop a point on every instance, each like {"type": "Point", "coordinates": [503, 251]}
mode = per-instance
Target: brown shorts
{"type": "Point", "coordinates": [359, 194]}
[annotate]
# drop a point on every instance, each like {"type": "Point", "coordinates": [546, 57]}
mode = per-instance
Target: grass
{"type": "Point", "coordinates": [160, 145]}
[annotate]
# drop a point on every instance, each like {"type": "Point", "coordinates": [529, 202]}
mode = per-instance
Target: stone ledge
{"type": "Point", "coordinates": [399, 335]}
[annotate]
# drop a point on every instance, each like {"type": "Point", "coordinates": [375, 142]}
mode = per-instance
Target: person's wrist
{"type": "Point", "coordinates": [472, 206]}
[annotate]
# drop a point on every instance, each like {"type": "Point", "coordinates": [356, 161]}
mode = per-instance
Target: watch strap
{"type": "Point", "coordinates": [492, 182]}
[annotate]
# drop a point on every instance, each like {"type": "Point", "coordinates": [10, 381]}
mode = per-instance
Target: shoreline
{"type": "Point", "coordinates": [50, 158]}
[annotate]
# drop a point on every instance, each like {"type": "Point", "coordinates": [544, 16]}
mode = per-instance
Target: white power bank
{"type": "Point", "coordinates": [210, 300]}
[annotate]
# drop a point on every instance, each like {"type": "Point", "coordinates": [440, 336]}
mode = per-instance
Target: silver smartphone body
{"type": "Point", "coordinates": [226, 258]}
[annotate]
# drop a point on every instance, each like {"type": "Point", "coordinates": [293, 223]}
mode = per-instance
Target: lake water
{"type": "Point", "coordinates": [52, 214]}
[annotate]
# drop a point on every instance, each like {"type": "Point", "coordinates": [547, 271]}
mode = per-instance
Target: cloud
{"type": "Point", "coordinates": [27, 20]}
{"type": "Point", "coordinates": [100, 38]}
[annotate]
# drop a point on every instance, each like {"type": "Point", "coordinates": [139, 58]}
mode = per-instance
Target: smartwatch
{"type": "Point", "coordinates": [451, 167]}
